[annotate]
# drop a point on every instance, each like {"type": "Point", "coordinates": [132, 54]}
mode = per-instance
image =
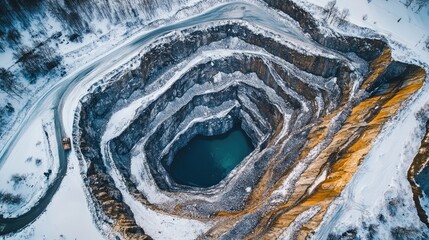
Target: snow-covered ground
{"type": "Point", "coordinates": [22, 179]}
{"type": "Point", "coordinates": [68, 216]}
{"type": "Point", "coordinates": [412, 30]}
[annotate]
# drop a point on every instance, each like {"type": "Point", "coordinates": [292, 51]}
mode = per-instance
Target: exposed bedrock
{"type": "Point", "coordinates": [311, 112]}
{"type": "Point", "coordinates": [417, 176]}
{"type": "Point", "coordinates": [368, 49]}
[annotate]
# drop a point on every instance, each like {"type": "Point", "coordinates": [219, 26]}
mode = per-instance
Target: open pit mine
{"type": "Point", "coordinates": [286, 119]}
{"type": "Point", "coordinates": [311, 103]}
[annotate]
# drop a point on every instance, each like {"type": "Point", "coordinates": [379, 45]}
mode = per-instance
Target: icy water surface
{"type": "Point", "coordinates": [205, 161]}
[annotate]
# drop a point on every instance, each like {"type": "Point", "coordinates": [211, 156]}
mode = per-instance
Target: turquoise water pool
{"type": "Point", "coordinates": [205, 161]}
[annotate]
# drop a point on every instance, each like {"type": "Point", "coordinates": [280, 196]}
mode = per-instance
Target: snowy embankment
{"type": "Point", "coordinates": [68, 216]}
{"type": "Point", "coordinates": [31, 169]}
{"type": "Point", "coordinates": [379, 195]}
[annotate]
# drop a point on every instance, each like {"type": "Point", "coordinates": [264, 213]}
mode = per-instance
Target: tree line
{"type": "Point", "coordinates": [75, 16]}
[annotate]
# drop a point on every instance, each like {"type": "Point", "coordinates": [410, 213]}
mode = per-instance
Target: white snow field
{"type": "Point", "coordinates": [33, 155]}
{"type": "Point", "coordinates": [68, 216]}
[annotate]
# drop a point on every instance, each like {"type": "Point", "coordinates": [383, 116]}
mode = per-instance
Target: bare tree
{"type": "Point", "coordinates": [7, 81]}
{"type": "Point", "coordinates": [5, 112]}
{"type": "Point", "coordinates": [330, 9]}
{"type": "Point", "coordinates": [37, 61]}
{"type": "Point", "coordinates": [13, 37]}
{"type": "Point", "coordinates": [427, 43]}
{"type": "Point", "coordinates": [345, 13]}
{"type": "Point", "coordinates": [9, 84]}
{"type": "Point", "coordinates": [421, 4]}
{"type": "Point", "coordinates": [408, 2]}
{"type": "Point", "coordinates": [10, 198]}
{"type": "Point", "coordinates": [28, 61]}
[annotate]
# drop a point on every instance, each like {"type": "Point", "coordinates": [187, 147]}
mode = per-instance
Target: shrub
{"type": "Point", "coordinates": [17, 178]}
{"type": "Point", "coordinates": [10, 198]}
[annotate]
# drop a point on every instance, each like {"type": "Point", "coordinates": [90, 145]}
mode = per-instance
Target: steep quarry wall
{"type": "Point", "coordinates": [310, 110]}
{"type": "Point", "coordinates": [418, 169]}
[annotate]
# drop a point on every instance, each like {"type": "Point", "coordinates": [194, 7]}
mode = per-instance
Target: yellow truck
{"type": "Point", "coordinates": [66, 143]}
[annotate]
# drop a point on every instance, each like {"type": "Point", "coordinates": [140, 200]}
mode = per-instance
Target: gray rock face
{"type": "Point", "coordinates": [367, 49]}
